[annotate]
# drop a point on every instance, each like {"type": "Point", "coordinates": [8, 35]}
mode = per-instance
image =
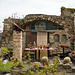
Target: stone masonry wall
{"type": "Point", "coordinates": [42, 40]}
{"type": "Point", "coordinates": [7, 35]}
{"type": "Point", "coordinates": [17, 44]}
{"type": "Point", "coordinates": [66, 22]}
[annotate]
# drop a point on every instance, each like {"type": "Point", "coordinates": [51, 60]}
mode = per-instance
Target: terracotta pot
{"type": "Point", "coordinates": [67, 63]}
{"type": "Point", "coordinates": [36, 63]}
{"type": "Point", "coordinates": [73, 52]}
{"type": "Point", "coordinates": [63, 45]}
{"type": "Point", "coordinates": [44, 47]}
{"type": "Point", "coordinates": [10, 55]}
{"type": "Point", "coordinates": [1, 57]}
{"type": "Point", "coordinates": [24, 60]}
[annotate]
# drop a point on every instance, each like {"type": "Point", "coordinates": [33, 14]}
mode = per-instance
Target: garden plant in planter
{"type": "Point", "coordinates": [73, 54]}
{"type": "Point", "coordinates": [35, 64]}
{"type": "Point", "coordinates": [67, 60]}
{"type": "Point", "coordinates": [45, 60]}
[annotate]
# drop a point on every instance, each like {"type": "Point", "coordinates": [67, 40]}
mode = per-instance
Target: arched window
{"type": "Point", "coordinates": [56, 38]}
{"type": "Point", "coordinates": [40, 25]}
{"type": "Point", "coordinates": [63, 38]}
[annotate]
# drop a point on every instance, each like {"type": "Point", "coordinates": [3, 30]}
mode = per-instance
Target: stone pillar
{"type": "Point", "coordinates": [42, 40]}
{"type": "Point", "coordinates": [51, 37]}
{"type": "Point", "coordinates": [17, 44]}
{"type": "Point", "coordinates": [24, 39]}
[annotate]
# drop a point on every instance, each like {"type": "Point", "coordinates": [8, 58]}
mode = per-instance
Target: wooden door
{"type": "Point", "coordinates": [34, 37]}
{"type": "Point", "coordinates": [30, 38]}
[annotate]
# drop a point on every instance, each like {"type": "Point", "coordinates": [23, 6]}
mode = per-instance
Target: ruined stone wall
{"type": "Point", "coordinates": [7, 35]}
{"type": "Point", "coordinates": [56, 45]}
{"type": "Point", "coordinates": [66, 22]}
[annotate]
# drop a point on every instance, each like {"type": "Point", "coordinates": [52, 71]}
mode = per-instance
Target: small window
{"type": "Point", "coordinates": [56, 38]}
{"type": "Point", "coordinates": [27, 27]}
{"type": "Point", "coordinates": [63, 38]}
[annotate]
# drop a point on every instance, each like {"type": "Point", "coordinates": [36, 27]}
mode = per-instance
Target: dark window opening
{"type": "Point", "coordinates": [48, 38]}
{"type": "Point", "coordinates": [56, 38]}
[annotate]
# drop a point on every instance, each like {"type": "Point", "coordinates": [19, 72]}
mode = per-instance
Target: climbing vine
{"type": "Point", "coordinates": [67, 11]}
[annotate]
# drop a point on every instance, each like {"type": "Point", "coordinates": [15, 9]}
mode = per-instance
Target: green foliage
{"type": "Point", "coordinates": [67, 11]}
{"type": "Point", "coordinates": [54, 68]}
{"type": "Point", "coordinates": [11, 65]}
{"type": "Point", "coordinates": [4, 50]}
{"type": "Point", "coordinates": [10, 50]}
{"type": "Point", "coordinates": [62, 8]}
{"type": "Point", "coordinates": [71, 9]}
{"type": "Point", "coordinates": [46, 70]}
{"type": "Point", "coordinates": [31, 69]}
{"type": "Point", "coordinates": [67, 60]}
{"type": "Point", "coordinates": [5, 67]}
{"type": "Point", "coordinates": [17, 63]}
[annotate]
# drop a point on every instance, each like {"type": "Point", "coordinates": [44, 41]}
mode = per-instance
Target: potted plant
{"type": "Point", "coordinates": [62, 45]}
{"type": "Point", "coordinates": [44, 47]}
{"type": "Point", "coordinates": [73, 54]}
{"type": "Point", "coordinates": [67, 60]}
{"type": "Point", "coordinates": [40, 46]}
{"type": "Point", "coordinates": [36, 64]}
{"type": "Point", "coordinates": [45, 60]}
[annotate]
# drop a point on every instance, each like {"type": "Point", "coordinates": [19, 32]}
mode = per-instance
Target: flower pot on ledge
{"type": "Point", "coordinates": [63, 45]}
{"type": "Point", "coordinates": [73, 54]}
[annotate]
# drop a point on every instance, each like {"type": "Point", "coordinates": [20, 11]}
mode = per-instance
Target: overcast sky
{"type": "Point", "coordinates": [24, 7]}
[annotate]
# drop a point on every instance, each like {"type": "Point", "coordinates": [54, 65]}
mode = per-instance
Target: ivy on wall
{"type": "Point", "coordinates": [67, 11]}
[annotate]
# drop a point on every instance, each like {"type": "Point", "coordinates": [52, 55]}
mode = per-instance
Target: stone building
{"type": "Point", "coordinates": [38, 29]}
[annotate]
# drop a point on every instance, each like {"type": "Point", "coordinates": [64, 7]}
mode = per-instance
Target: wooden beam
{"type": "Point", "coordinates": [38, 49]}
{"type": "Point", "coordinates": [18, 26]}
